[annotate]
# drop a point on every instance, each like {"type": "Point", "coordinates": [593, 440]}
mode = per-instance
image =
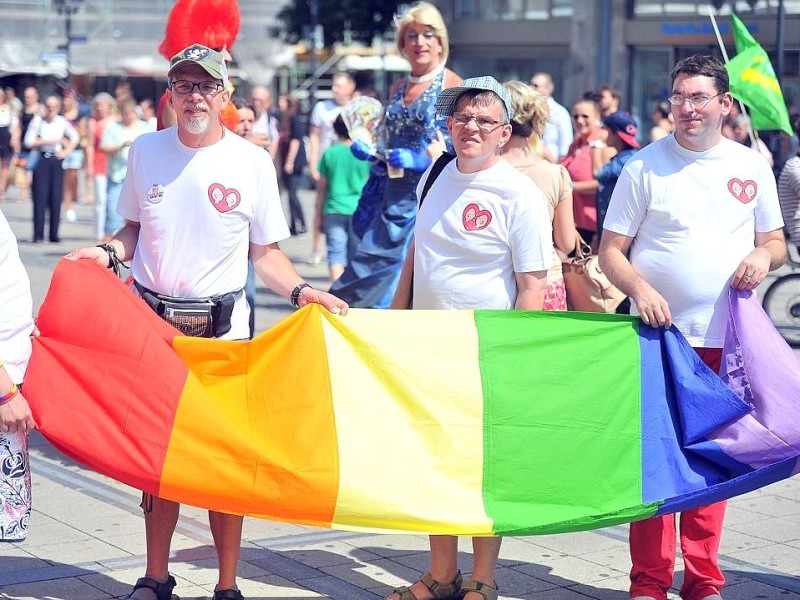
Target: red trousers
{"type": "Point", "coordinates": [653, 542]}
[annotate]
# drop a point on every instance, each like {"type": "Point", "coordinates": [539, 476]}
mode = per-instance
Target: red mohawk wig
{"type": "Point", "coordinates": [213, 23]}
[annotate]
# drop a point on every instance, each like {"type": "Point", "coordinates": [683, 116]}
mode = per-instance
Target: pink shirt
{"type": "Point", "coordinates": [578, 163]}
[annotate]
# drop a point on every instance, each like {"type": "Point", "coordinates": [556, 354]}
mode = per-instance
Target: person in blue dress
{"type": "Point", "coordinates": [410, 138]}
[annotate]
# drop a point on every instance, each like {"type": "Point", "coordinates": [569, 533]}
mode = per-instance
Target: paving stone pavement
{"type": "Point", "coordinates": [86, 538]}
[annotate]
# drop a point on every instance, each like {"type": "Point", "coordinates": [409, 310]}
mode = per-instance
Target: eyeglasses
{"type": "Point", "coordinates": [412, 36]}
{"type": "Point", "coordinates": [484, 124]}
{"type": "Point", "coordinates": [698, 101]}
{"type": "Point", "coordinates": [206, 88]}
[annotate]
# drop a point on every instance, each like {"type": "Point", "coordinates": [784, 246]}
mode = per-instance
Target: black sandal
{"type": "Point", "coordinates": [163, 590]}
{"type": "Point", "coordinates": [230, 594]}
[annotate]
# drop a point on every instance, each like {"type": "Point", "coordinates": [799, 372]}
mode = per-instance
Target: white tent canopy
{"type": "Point", "coordinates": [389, 62]}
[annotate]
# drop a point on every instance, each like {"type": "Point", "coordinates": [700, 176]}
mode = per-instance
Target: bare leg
{"type": "Point", "coordinates": [444, 565]}
{"type": "Point", "coordinates": [4, 180]}
{"type": "Point", "coordinates": [486, 551]}
{"type": "Point", "coordinates": [70, 187]}
{"type": "Point", "coordinates": [227, 532]}
{"type": "Point", "coordinates": [159, 526]}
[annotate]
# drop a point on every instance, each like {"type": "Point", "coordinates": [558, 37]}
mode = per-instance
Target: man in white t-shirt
{"type": "Point", "coordinates": [320, 136]}
{"type": "Point", "coordinates": [265, 127]}
{"type": "Point", "coordinates": [699, 214]}
{"type": "Point", "coordinates": [320, 131]}
{"type": "Point", "coordinates": [196, 201]}
{"type": "Point", "coordinates": [482, 240]}
{"type": "Point", "coordinates": [558, 133]}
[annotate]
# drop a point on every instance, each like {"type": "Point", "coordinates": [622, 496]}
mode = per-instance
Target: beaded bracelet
{"type": "Point", "coordinates": [10, 395]}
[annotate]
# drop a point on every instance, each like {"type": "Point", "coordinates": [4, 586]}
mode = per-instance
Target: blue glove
{"type": "Point", "coordinates": [403, 158]}
{"type": "Point", "coordinates": [362, 151]}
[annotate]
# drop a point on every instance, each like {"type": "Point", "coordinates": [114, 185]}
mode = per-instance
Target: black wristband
{"type": "Point", "coordinates": [112, 254]}
{"type": "Point", "coordinates": [296, 293]}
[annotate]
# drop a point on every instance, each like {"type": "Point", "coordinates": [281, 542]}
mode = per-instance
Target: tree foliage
{"type": "Point", "coordinates": [363, 18]}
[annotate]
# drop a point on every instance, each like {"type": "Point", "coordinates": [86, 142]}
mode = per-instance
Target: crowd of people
{"type": "Point", "coordinates": [469, 197]}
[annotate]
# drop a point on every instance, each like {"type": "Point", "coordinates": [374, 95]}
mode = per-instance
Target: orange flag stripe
{"type": "Point", "coordinates": [280, 429]}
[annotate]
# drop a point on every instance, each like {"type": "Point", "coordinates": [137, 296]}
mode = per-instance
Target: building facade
{"type": "Point", "coordinates": [630, 44]}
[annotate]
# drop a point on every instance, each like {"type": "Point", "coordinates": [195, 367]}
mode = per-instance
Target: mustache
{"type": "Point", "coordinates": [194, 106]}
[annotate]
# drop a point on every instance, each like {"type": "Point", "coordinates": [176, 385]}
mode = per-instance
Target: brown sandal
{"type": "Point", "coordinates": [440, 591]}
{"type": "Point", "coordinates": [487, 591]}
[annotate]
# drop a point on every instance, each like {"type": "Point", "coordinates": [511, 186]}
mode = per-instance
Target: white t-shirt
{"type": "Point", "coordinates": [16, 318]}
{"type": "Point", "coordinates": [693, 216]}
{"type": "Point", "coordinates": [558, 130]}
{"type": "Point", "coordinates": [474, 231]}
{"type": "Point", "coordinates": [265, 124]}
{"type": "Point", "coordinates": [323, 116]}
{"type": "Point", "coordinates": [198, 210]}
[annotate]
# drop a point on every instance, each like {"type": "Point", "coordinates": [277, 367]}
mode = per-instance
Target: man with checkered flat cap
{"type": "Point", "coordinates": [482, 240]}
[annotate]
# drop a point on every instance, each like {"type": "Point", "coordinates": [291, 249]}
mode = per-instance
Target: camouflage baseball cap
{"type": "Point", "coordinates": [212, 61]}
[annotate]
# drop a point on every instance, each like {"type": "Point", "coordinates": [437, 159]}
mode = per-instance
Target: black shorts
{"type": "Point", "coordinates": [5, 144]}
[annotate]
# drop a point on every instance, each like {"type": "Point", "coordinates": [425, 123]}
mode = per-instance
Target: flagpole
{"type": "Point", "coordinates": [750, 131]}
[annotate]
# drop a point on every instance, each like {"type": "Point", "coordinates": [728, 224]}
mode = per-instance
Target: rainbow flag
{"type": "Point", "coordinates": [449, 422]}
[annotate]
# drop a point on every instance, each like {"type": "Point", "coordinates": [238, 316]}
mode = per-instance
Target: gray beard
{"type": "Point", "coordinates": [197, 125]}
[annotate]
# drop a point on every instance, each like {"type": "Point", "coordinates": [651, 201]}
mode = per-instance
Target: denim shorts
{"type": "Point", "coordinates": [338, 236]}
{"type": "Point", "coordinates": [73, 160]}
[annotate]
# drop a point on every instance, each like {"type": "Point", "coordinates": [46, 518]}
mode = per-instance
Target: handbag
{"type": "Point", "coordinates": [588, 288]}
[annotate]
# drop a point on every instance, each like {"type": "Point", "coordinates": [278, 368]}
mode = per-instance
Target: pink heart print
{"type": "Point", "coordinates": [743, 191]}
{"type": "Point", "coordinates": [222, 198]}
{"type": "Point", "coordinates": [475, 218]}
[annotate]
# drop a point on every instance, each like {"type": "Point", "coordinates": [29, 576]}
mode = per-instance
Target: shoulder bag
{"type": "Point", "coordinates": [588, 288]}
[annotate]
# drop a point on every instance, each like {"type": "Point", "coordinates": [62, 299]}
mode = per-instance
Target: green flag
{"type": "Point", "coordinates": [753, 82]}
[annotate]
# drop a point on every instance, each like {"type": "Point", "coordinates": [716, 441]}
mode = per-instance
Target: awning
{"type": "Point", "coordinates": [389, 62]}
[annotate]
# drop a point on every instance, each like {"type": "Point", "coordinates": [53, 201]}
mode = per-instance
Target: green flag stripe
{"type": "Point", "coordinates": [550, 381]}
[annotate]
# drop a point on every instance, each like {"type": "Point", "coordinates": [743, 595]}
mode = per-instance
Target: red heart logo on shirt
{"type": "Point", "coordinates": [475, 218]}
{"type": "Point", "coordinates": [222, 198]}
{"type": "Point", "coordinates": [743, 191]}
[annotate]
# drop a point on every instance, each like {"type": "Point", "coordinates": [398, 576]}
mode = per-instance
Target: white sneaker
{"type": "Point", "coordinates": [71, 216]}
{"type": "Point", "coordinates": [315, 258]}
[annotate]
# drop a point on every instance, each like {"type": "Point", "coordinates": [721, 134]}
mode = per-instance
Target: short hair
{"type": "Point", "coordinates": [615, 93]}
{"type": "Point", "coordinates": [486, 98]}
{"type": "Point", "coordinates": [529, 108]}
{"type": "Point", "coordinates": [545, 74]}
{"type": "Point", "coordinates": [126, 104]}
{"type": "Point", "coordinates": [104, 97]}
{"type": "Point", "coordinates": [426, 14]}
{"type": "Point", "coordinates": [238, 102]}
{"type": "Point", "coordinates": [340, 128]}
{"type": "Point", "coordinates": [345, 75]}
{"type": "Point", "coordinates": [704, 65]}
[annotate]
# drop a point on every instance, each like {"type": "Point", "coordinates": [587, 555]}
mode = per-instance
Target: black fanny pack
{"type": "Point", "coordinates": [197, 317]}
